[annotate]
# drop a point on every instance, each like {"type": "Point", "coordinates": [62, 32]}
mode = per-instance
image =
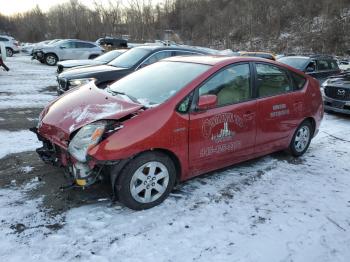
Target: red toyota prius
{"type": "Point", "coordinates": [177, 119]}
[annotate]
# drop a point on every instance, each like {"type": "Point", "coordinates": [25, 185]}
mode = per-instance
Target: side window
{"type": "Point", "coordinates": [183, 53]}
{"type": "Point", "coordinates": [68, 45]}
{"type": "Point", "coordinates": [272, 80]}
{"type": "Point", "coordinates": [334, 64]}
{"type": "Point", "coordinates": [322, 65]}
{"type": "Point", "coordinates": [156, 57]}
{"type": "Point", "coordinates": [3, 39]}
{"type": "Point", "coordinates": [84, 45]}
{"type": "Point", "coordinates": [231, 85]}
{"type": "Point", "coordinates": [299, 80]}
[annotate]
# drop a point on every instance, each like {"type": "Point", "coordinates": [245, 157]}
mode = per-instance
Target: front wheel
{"type": "Point", "coordinates": [51, 59]}
{"type": "Point", "coordinates": [301, 139]}
{"type": "Point", "coordinates": [146, 181]}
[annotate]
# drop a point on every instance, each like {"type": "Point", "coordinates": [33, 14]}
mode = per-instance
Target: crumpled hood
{"type": "Point", "coordinates": [80, 107]}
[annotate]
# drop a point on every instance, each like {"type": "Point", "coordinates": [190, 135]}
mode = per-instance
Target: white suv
{"type": "Point", "coordinates": [11, 44]}
{"type": "Point", "coordinates": [66, 50]}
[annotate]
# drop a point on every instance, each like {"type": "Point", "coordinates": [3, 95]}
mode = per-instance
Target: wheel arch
{"type": "Point", "coordinates": [313, 123]}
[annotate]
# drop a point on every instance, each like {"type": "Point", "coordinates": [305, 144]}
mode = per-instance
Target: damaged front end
{"type": "Point", "coordinates": [79, 168]}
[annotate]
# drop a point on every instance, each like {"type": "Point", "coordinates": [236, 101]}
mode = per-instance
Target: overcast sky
{"type": "Point", "coordinates": [9, 7]}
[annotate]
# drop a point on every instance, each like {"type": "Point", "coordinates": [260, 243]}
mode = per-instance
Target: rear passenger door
{"type": "Point", "coordinates": [279, 106]}
{"type": "Point", "coordinates": [83, 50]}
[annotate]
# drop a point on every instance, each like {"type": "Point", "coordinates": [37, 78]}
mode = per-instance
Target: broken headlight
{"type": "Point", "coordinates": [86, 138]}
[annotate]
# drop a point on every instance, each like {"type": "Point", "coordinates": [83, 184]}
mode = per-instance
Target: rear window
{"type": "Point", "coordinates": [296, 62]}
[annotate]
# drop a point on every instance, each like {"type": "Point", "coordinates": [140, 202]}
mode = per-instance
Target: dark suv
{"type": "Point", "coordinates": [112, 42]}
{"type": "Point", "coordinates": [123, 65]}
{"type": "Point", "coordinates": [318, 66]}
{"type": "Point", "coordinates": [336, 93]}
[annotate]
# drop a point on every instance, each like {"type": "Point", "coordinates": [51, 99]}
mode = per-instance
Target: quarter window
{"type": "Point", "coordinates": [231, 85]}
{"type": "Point", "coordinates": [299, 81]}
{"type": "Point", "coordinates": [272, 80]}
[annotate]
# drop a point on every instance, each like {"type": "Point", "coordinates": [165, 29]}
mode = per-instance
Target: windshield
{"type": "Point", "coordinates": [130, 58]}
{"type": "Point", "coordinates": [296, 62]}
{"type": "Point", "coordinates": [109, 56]}
{"type": "Point", "coordinates": [156, 83]}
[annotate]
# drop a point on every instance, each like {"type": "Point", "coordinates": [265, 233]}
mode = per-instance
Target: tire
{"type": "Point", "coordinates": [146, 181]}
{"type": "Point", "coordinates": [9, 52]}
{"type": "Point", "coordinates": [301, 139]}
{"type": "Point", "coordinates": [51, 59]}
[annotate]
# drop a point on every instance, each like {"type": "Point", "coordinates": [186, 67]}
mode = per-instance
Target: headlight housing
{"type": "Point", "coordinates": [86, 138]}
{"type": "Point", "coordinates": [80, 82]}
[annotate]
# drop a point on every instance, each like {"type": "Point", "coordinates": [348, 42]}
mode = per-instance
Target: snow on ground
{"type": "Point", "coordinates": [24, 85]}
{"type": "Point", "coordinates": [18, 141]}
{"type": "Point", "coordinates": [276, 208]}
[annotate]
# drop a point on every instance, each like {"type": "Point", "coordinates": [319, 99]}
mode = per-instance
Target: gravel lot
{"type": "Point", "coordinates": [275, 208]}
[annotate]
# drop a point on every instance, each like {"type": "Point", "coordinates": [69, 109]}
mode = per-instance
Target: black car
{"type": "Point", "coordinates": [123, 65]}
{"type": "Point", "coordinates": [336, 93]}
{"type": "Point", "coordinates": [318, 66]}
{"type": "Point", "coordinates": [100, 60]}
{"type": "Point", "coordinates": [112, 42]}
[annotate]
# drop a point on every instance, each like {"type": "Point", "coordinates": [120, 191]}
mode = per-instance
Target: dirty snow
{"type": "Point", "coordinates": [276, 208]}
{"type": "Point", "coordinates": [24, 85]}
{"type": "Point", "coordinates": [16, 142]}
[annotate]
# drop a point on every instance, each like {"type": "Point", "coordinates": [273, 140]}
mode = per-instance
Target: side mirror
{"type": "Point", "coordinates": [207, 102]}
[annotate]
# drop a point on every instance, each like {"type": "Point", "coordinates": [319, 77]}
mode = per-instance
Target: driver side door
{"type": "Point", "coordinates": [225, 134]}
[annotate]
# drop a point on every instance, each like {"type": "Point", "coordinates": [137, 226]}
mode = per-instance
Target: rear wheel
{"type": "Point", "coordinates": [9, 52]}
{"type": "Point", "coordinates": [146, 181]}
{"type": "Point", "coordinates": [301, 139]}
{"type": "Point", "coordinates": [51, 59]}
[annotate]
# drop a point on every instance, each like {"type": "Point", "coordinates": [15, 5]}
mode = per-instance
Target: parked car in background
{"type": "Point", "coordinates": [258, 54]}
{"type": "Point", "coordinates": [176, 119]}
{"type": "Point", "coordinates": [100, 60]}
{"type": "Point", "coordinates": [336, 93]}
{"type": "Point", "coordinates": [318, 66]}
{"type": "Point", "coordinates": [66, 50]}
{"type": "Point", "coordinates": [123, 65]}
{"type": "Point", "coordinates": [344, 65]}
{"type": "Point", "coordinates": [112, 42]}
{"type": "Point", "coordinates": [11, 45]}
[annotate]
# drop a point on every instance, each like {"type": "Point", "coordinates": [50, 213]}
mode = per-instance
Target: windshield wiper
{"type": "Point", "coordinates": [113, 92]}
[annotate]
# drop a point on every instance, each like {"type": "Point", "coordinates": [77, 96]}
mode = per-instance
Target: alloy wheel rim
{"type": "Point", "coordinates": [9, 52]}
{"type": "Point", "coordinates": [149, 182]}
{"type": "Point", "coordinates": [302, 139]}
{"type": "Point", "coordinates": [50, 60]}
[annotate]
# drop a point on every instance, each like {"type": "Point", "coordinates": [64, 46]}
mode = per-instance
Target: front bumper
{"type": "Point", "coordinates": [38, 55]}
{"type": "Point", "coordinates": [82, 174]}
{"type": "Point", "coordinates": [339, 106]}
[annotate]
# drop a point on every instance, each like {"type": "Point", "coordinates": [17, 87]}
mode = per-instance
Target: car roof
{"type": "Point", "coordinates": [214, 60]}
{"type": "Point", "coordinates": [159, 48]}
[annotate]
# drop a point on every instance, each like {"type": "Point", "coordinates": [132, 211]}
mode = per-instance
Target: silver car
{"type": "Point", "coordinates": [11, 44]}
{"type": "Point", "coordinates": [66, 50]}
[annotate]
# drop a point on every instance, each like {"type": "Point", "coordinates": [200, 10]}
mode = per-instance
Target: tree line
{"type": "Point", "coordinates": [321, 26]}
